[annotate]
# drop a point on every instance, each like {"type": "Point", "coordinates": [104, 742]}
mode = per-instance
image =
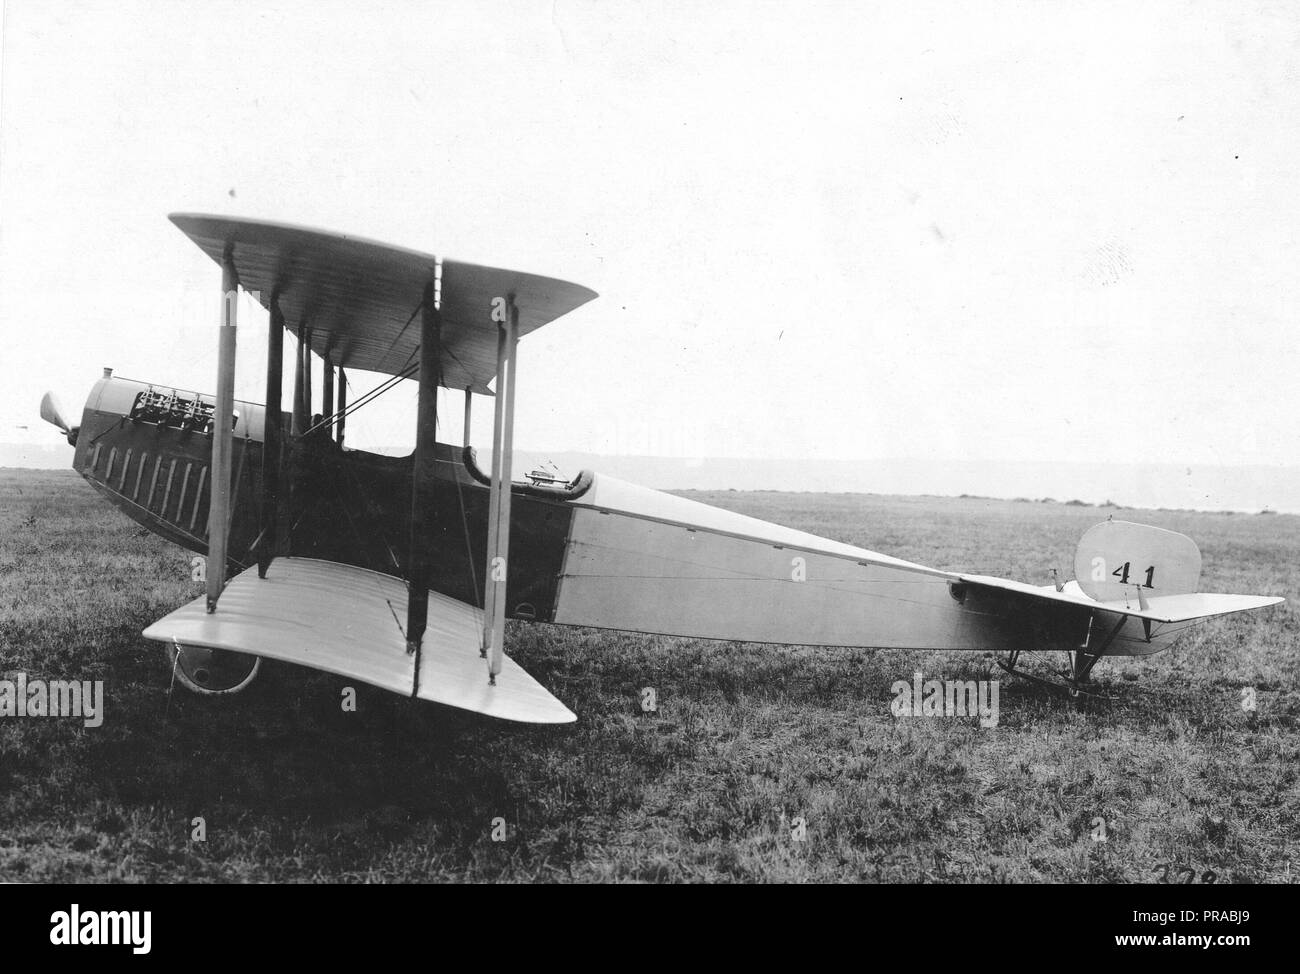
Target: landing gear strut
{"type": "Point", "coordinates": [1074, 679]}
{"type": "Point", "coordinates": [1081, 664]}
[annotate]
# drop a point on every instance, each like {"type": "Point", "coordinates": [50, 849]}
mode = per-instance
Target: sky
{"type": "Point", "coordinates": [819, 230]}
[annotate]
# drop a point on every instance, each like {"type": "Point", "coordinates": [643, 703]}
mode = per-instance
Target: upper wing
{"type": "Point", "coordinates": [351, 621]}
{"type": "Point", "coordinates": [359, 297]}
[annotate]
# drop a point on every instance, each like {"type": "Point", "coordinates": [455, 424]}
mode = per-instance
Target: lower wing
{"type": "Point", "coordinates": [352, 622]}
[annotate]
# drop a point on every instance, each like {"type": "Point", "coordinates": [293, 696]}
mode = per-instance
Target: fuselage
{"type": "Point", "coordinates": [345, 505]}
{"type": "Point", "coordinates": [593, 552]}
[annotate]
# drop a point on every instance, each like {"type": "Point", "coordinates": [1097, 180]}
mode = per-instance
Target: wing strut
{"type": "Point", "coordinates": [306, 381]}
{"type": "Point", "coordinates": [343, 404]}
{"type": "Point", "coordinates": [423, 472]}
{"type": "Point", "coordinates": [494, 490]}
{"type": "Point", "coordinates": [271, 439]}
{"type": "Point", "coordinates": [503, 435]}
{"type": "Point", "coordinates": [223, 428]}
{"type": "Point", "coordinates": [300, 423]}
{"type": "Point", "coordinates": [327, 394]}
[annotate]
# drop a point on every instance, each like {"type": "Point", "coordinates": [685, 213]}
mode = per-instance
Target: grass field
{"type": "Point", "coordinates": [746, 742]}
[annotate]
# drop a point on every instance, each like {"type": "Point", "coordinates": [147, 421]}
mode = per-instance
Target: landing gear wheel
{"type": "Point", "coordinates": [212, 672]}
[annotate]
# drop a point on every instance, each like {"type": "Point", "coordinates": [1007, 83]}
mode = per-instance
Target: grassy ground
{"type": "Point", "coordinates": [747, 740]}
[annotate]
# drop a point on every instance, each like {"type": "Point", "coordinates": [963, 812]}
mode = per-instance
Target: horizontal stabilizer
{"type": "Point", "coordinates": [1200, 605]}
{"type": "Point", "coordinates": [1158, 608]}
{"type": "Point", "coordinates": [352, 622]}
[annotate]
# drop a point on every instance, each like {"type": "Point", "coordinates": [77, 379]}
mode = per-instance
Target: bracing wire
{"type": "Point", "coordinates": [369, 397]}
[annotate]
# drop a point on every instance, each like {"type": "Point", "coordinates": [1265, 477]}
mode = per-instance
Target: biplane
{"type": "Point", "coordinates": [400, 572]}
